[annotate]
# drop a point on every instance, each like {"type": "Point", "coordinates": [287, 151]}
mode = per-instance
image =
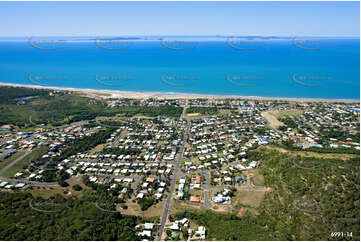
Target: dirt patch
{"type": "Point", "coordinates": [97, 148]}
{"type": "Point", "coordinates": [248, 198]}
{"type": "Point", "coordinates": [222, 208]}
{"type": "Point", "coordinates": [192, 114]}
{"type": "Point", "coordinates": [240, 213]}
{"type": "Point", "coordinates": [183, 204]}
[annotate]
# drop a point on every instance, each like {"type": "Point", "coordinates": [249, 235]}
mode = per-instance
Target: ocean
{"type": "Point", "coordinates": [326, 68]}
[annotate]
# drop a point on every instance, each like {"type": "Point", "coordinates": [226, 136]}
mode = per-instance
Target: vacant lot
{"type": "Point", "coordinates": [273, 121]}
{"type": "Point", "coordinates": [248, 198]}
{"type": "Point", "coordinates": [48, 191]}
{"type": "Point", "coordinates": [274, 116]}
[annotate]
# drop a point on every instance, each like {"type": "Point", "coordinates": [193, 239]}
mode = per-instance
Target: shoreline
{"type": "Point", "coordinates": [172, 95]}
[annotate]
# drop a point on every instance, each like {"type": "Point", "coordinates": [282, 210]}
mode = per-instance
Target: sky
{"type": "Point", "coordinates": [179, 18]}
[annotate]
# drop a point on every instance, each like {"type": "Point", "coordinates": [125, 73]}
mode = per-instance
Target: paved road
{"type": "Point", "coordinates": [14, 162]}
{"type": "Point", "coordinates": [172, 186]}
{"type": "Point", "coordinates": [207, 186]}
{"type": "Point", "coordinates": [36, 182]}
{"type": "Point", "coordinates": [70, 179]}
{"type": "Point", "coordinates": [139, 178]}
{"type": "Point", "coordinates": [207, 204]}
{"type": "Point", "coordinates": [206, 179]}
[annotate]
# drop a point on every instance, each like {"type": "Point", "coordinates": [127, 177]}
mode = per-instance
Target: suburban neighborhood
{"type": "Point", "coordinates": [153, 166]}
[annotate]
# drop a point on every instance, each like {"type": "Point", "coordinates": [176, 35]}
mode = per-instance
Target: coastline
{"type": "Point", "coordinates": [108, 94]}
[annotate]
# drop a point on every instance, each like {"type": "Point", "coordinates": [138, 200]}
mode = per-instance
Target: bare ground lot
{"type": "Point", "coordinates": [248, 198]}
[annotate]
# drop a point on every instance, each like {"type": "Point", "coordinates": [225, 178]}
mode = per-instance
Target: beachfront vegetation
{"type": "Point", "coordinates": [62, 108]}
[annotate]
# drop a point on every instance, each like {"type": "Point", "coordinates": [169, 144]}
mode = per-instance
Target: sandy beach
{"type": "Point", "coordinates": [115, 94]}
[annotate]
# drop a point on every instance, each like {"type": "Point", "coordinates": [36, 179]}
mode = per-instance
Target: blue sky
{"type": "Point", "coordinates": [179, 18]}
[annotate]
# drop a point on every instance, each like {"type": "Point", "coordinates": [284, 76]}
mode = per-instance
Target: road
{"type": "Point", "coordinates": [207, 186]}
{"type": "Point", "coordinates": [173, 182]}
{"type": "Point", "coordinates": [36, 182]}
{"type": "Point", "coordinates": [14, 162]}
{"type": "Point", "coordinates": [139, 178]}
{"type": "Point", "coordinates": [207, 204]}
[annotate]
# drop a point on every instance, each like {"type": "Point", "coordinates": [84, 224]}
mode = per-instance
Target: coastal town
{"type": "Point", "coordinates": [154, 166]}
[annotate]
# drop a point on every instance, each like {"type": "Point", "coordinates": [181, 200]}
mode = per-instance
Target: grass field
{"type": "Point", "coordinates": [35, 154]}
{"type": "Point", "coordinates": [274, 123]}
{"type": "Point", "coordinates": [48, 191]}
{"type": "Point", "coordinates": [10, 159]}
{"type": "Point", "coordinates": [287, 113]}
{"type": "Point", "coordinates": [273, 116]}
{"type": "Point", "coordinates": [153, 211]}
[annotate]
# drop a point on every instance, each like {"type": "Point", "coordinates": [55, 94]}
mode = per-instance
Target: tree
{"type": "Point", "coordinates": [77, 187]}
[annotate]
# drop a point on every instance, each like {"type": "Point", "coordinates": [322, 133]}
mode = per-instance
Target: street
{"type": "Point", "coordinates": [173, 182]}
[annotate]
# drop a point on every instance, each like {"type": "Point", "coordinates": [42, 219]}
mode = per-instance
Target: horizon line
{"type": "Point", "coordinates": [165, 35]}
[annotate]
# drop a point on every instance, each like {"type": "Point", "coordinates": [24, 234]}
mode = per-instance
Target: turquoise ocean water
{"type": "Point", "coordinates": [245, 66]}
